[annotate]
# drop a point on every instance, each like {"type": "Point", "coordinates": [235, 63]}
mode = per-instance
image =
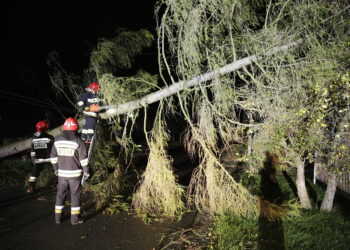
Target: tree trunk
{"type": "Point", "coordinates": [23, 145]}
{"type": "Point", "coordinates": [115, 110]}
{"type": "Point", "coordinates": [318, 166]}
{"type": "Point", "coordinates": [179, 86]}
{"type": "Point", "coordinates": [327, 202]}
{"type": "Point", "coordinates": [301, 186]}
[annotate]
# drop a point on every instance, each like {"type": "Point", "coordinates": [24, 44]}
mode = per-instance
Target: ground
{"type": "Point", "coordinates": [27, 222]}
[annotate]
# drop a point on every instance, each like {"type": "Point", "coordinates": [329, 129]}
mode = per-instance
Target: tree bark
{"type": "Point", "coordinates": [327, 202]}
{"type": "Point", "coordinates": [301, 186]}
{"type": "Point", "coordinates": [115, 110]}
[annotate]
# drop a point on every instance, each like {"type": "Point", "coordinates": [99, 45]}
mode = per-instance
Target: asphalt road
{"type": "Point", "coordinates": [27, 222]}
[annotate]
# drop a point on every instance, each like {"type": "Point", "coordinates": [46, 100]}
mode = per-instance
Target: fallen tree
{"type": "Point", "coordinates": [115, 110]}
{"type": "Point", "coordinates": [179, 86]}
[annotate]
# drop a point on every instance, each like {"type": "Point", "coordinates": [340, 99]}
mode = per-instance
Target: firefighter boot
{"type": "Point", "coordinates": [58, 214]}
{"type": "Point", "coordinates": [79, 221]}
{"type": "Point", "coordinates": [31, 187]}
{"type": "Point", "coordinates": [76, 217]}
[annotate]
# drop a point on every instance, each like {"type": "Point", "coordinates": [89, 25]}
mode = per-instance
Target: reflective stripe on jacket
{"type": "Point", "coordinates": [69, 157]}
{"type": "Point", "coordinates": [41, 145]}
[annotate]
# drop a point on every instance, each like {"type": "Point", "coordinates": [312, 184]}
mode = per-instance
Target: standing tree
{"type": "Point", "coordinates": [334, 103]}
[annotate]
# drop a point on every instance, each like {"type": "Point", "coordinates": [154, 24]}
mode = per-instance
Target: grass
{"type": "Point", "coordinates": [14, 171]}
{"type": "Point", "coordinates": [316, 230]}
{"type": "Point", "coordinates": [310, 230]}
{"type": "Point", "coordinates": [233, 232]}
{"type": "Point", "coordinates": [47, 176]}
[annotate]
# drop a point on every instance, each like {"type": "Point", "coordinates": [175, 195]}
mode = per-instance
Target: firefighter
{"type": "Point", "coordinates": [89, 103]}
{"type": "Point", "coordinates": [70, 163]}
{"type": "Point", "coordinates": [40, 152]}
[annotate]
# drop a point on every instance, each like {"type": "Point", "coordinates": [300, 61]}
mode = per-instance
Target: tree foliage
{"type": "Point", "coordinates": [114, 55]}
{"type": "Point", "coordinates": [258, 105]}
{"type": "Point", "coordinates": [158, 193]}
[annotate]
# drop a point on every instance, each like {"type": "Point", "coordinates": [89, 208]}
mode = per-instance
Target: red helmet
{"type": "Point", "coordinates": [94, 87]}
{"type": "Point", "coordinates": [41, 126]}
{"type": "Point", "coordinates": [70, 124]}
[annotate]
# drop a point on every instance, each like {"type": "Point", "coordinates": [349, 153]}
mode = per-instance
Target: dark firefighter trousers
{"type": "Point", "coordinates": [74, 186]}
{"type": "Point", "coordinates": [88, 129]}
{"type": "Point", "coordinates": [38, 167]}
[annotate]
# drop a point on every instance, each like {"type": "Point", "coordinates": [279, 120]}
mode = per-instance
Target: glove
{"type": "Point", "coordinates": [86, 109]}
{"type": "Point", "coordinates": [56, 173]}
{"type": "Point", "coordinates": [94, 108]}
{"type": "Point", "coordinates": [86, 175]}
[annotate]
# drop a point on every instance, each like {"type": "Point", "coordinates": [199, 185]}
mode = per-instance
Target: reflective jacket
{"type": "Point", "coordinates": [40, 148]}
{"type": "Point", "coordinates": [69, 157]}
{"type": "Point", "coordinates": [86, 100]}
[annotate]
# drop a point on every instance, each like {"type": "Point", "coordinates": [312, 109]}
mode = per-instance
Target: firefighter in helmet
{"type": "Point", "coordinates": [70, 163]}
{"type": "Point", "coordinates": [89, 103]}
{"type": "Point", "coordinates": [40, 152]}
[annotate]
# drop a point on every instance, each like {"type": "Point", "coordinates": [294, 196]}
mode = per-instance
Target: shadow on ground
{"type": "Point", "coordinates": [271, 233]}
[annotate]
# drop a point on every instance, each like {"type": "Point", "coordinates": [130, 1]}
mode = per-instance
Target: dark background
{"type": "Point", "coordinates": [31, 29]}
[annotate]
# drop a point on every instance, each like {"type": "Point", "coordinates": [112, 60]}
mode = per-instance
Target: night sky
{"type": "Point", "coordinates": [31, 29]}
